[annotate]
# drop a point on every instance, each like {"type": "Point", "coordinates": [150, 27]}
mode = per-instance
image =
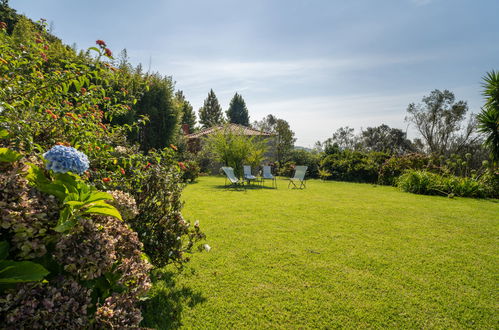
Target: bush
{"type": "Point", "coordinates": [354, 166]}
{"type": "Point", "coordinates": [393, 167]}
{"type": "Point", "coordinates": [307, 158]}
{"type": "Point", "coordinates": [190, 170]}
{"type": "Point", "coordinates": [428, 183]}
{"type": "Point", "coordinates": [96, 246]}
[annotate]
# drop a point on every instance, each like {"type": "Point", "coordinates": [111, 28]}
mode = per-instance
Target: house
{"type": "Point", "coordinates": [195, 140]}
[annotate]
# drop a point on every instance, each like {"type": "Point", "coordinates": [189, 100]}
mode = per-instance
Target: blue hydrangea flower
{"type": "Point", "coordinates": [61, 159]}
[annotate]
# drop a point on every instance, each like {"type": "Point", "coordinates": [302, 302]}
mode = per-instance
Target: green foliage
{"type": "Point", "coordinates": [439, 121]}
{"type": "Point", "coordinates": [393, 167]}
{"type": "Point", "coordinates": [284, 138]}
{"type": "Point", "coordinates": [238, 112]}
{"type": "Point", "coordinates": [488, 118]}
{"type": "Point", "coordinates": [48, 95]}
{"type": "Point", "coordinates": [18, 271]}
{"type": "Point", "coordinates": [188, 116]}
{"type": "Point", "coordinates": [164, 115]}
{"type": "Point", "coordinates": [190, 170]}
{"type": "Point", "coordinates": [78, 198]}
{"type": "Point", "coordinates": [428, 183]}
{"type": "Point", "coordinates": [235, 150]}
{"type": "Point", "coordinates": [385, 139]}
{"type": "Point", "coordinates": [354, 166]}
{"type": "Point", "coordinates": [210, 114]}
{"type": "Point", "coordinates": [8, 156]}
{"type": "Point", "coordinates": [310, 159]}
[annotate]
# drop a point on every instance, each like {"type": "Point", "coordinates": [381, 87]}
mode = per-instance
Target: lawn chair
{"type": "Point", "coordinates": [229, 175]}
{"type": "Point", "coordinates": [247, 174]}
{"type": "Point", "coordinates": [298, 177]}
{"type": "Point", "coordinates": [267, 175]}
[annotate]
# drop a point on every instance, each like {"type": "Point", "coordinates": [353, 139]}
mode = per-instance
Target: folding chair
{"type": "Point", "coordinates": [247, 174]}
{"type": "Point", "coordinates": [229, 175]}
{"type": "Point", "coordinates": [299, 177]}
{"type": "Point", "coordinates": [267, 175]}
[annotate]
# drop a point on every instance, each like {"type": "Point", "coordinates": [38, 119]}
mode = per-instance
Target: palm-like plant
{"type": "Point", "coordinates": [488, 119]}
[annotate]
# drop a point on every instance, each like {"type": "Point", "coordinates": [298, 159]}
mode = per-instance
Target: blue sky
{"type": "Point", "coordinates": [318, 64]}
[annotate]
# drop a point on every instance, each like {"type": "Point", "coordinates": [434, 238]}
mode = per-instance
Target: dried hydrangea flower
{"type": "Point", "coordinates": [125, 203]}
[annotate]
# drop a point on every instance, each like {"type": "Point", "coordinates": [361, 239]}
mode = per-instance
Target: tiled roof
{"type": "Point", "coordinates": [234, 128]}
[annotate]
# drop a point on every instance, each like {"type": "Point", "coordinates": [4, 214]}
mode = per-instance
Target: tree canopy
{"type": "Point", "coordinates": [439, 120]}
{"type": "Point", "coordinates": [188, 117]}
{"type": "Point", "coordinates": [238, 112]}
{"type": "Point", "coordinates": [210, 114]}
{"type": "Point", "coordinates": [285, 137]}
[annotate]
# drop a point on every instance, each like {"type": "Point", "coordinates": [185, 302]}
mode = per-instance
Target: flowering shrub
{"type": "Point", "coordinates": [47, 306]}
{"type": "Point", "coordinates": [62, 159]}
{"type": "Point", "coordinates": [94, 245]}
{"type": "Point", "coordinates": [190, 170]}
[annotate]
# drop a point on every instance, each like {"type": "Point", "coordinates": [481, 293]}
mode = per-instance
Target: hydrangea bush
{"type": "Point", "coordinates": [93, 244]}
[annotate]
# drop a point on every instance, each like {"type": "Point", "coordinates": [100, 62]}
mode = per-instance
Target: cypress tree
{"type": "Point", "coordinates": [187, 113]}
{"type": "Point", "coordinates": [238, 112]}
{"type": "Point", "coordinates": [210, 114]}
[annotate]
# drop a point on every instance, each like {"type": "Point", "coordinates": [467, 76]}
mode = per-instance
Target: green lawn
{"type": "Point", "coordinates": [335, 254]}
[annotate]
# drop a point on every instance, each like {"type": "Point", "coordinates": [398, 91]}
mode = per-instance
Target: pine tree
{"type": "Point", "coordinates": [210, 114]}
{"type": "Point", "coordinates": [187, 113]}
{"type": "Point", "coordinates": [238, 112]}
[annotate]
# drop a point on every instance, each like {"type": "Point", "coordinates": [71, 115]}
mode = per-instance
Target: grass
{"type": "Point", "coordinates": [335, 255]}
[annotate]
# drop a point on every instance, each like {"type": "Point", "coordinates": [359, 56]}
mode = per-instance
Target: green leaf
{"type": "Point", "coordinates": [52, 189]}
{"type": "Point", "coordinates": [4, 250]}
{"type": "Point", "coordinates": [9, 156]}
{"type": "Point", "coordinates": [4, 133]}
{"type": "Point", "coordinates": [98, 196]}
{"type": "Point", "coordinates": [103, 209]}
{"type": "Point", "coordinates": [21, 271]}
{"type": "Point", "coordinates": [63, 227]}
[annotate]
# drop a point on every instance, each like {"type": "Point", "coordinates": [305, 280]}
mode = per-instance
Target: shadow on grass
{"type": "Point", "coordinates": [163, 310]}
{"type": "Point", "coordinates": [246, 187]}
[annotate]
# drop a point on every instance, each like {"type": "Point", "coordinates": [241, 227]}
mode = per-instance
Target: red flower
{"type": "Point", "coordinates": [108, 52]}
{"type": "Point", "coordinates": [102, 125]}
{"type": "Point", "coordinates": [182, 166]}
{"type": "Point", "coordinates": [46, 47]}
{"type": "Point", "coordinates": [106, 98]}
{"type": "Point", "coordinates": [173, 147]}
{"type": "Point", "coordinates": [44, 56]}
{"type": "Point", "coordinates": [83, 90]}
{"type": "Point", "coordinates": [122, 171]}
{"type": "Point", "coordinates": [106, 179]}
{"type": "Point", "coordinates": [148, 165]}
{"type": "Point", "coordinates": [101, 43]}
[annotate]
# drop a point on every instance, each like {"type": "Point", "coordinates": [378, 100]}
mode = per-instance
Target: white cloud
{"type": "Point", "coordinates": [316, 118]}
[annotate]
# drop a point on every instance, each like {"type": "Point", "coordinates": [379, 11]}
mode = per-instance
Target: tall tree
{"type": "Point", "coordinates": [210, 114]}
{"type": "Point", "coordinates": [488, 119]}
{"type": "Point", "coordinates": [439, 121]}
{"type": "Point", "coordinates": [238, 112]}
{"type": "Point", "coordinates": [158, 104]}
{"type": "Point", "coordinates": [284, 136]}
{"type": "Point", "coordinates": [385, 139]}
{"type": "Point", "coordinates": [188, 116]}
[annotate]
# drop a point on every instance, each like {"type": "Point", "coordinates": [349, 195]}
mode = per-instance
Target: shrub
{"type": "Point", "coordinates": [428, 183]}
{"type": "Point", "coordinates": [307, 158]}
{"type": "Point", "coordinates": [190, 170]}
{"type": "Point", "coordinates": [393, 167]}
{"type": "Point", "coordinates": [354, 166]}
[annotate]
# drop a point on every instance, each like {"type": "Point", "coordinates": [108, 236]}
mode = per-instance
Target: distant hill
{"type": "Point", "coordinates": [303, 148]}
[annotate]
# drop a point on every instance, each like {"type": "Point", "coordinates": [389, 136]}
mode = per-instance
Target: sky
{"type": "Point", "coordinates": [319, 64]}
